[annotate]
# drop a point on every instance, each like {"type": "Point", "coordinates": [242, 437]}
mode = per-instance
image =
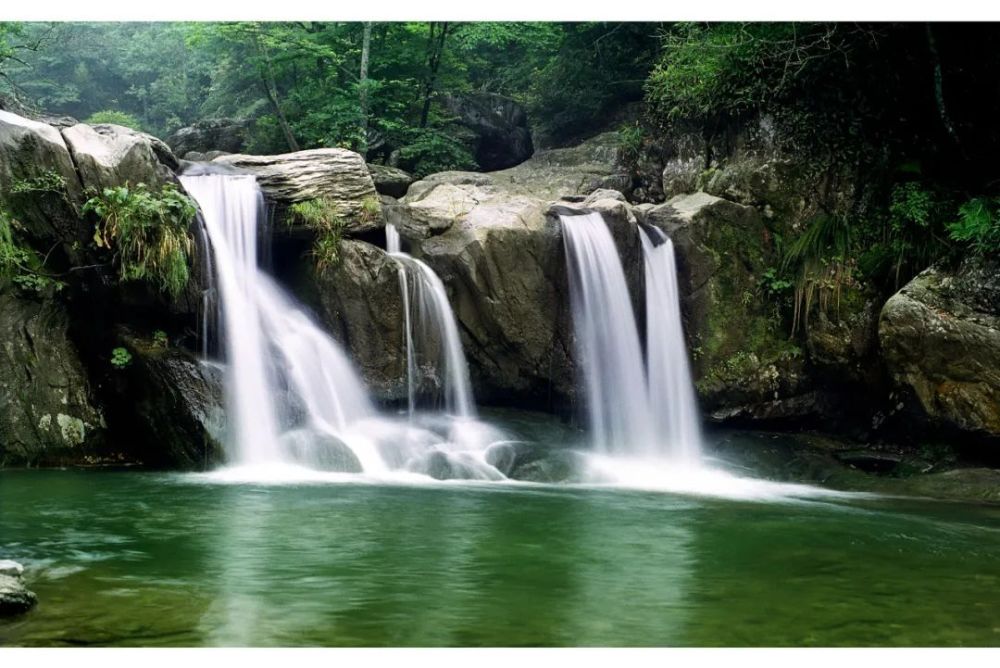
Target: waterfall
{"type": "Point", "coordinates": [431, 332]}
{"type": "Point", "coordinates": [284, 374]}
{"type": "Point", "coordinates": [620, 416]}
{"type": "Point", "coordinates": [671, 390]}
{"type": "Point", "coordinates": [634, 408]}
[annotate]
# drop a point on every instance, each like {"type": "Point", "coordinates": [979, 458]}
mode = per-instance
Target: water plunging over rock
{"type": "Point", "coordinates": [293, 397]}
{"type": "Point", "coordinates": [635, 409]}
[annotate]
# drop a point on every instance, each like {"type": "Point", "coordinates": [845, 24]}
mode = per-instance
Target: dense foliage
{"type": "Point", "coordinates": [148, 232]}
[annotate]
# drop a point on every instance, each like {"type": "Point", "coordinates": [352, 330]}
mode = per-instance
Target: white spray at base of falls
{"type": "Point", "coordinates": [635, 409]}
{"type": "Point", "coordinates": [294, 401]}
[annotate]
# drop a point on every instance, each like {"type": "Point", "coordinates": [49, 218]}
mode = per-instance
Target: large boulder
{"type": "Point", "coordinates": [15, 598]}
{"type": "Point", "coordinates": [499, 126]}
{"type": "Point", "coordinates": [112, 155]}
{"type": "Point", "coordinates": [940, 338]}
{"type": "Point", "coordinates": [34, 155]}
{"type": "Point", "coordinates": [211, 134]}
{"type": "Point", "coordinates": [49, 415]}
{"type": "Point", "coordinates": [390, 181]}
{"type": "Point", "coordinates": [359, 301]}
{"type": "Point", "coordinates": [335, 175]}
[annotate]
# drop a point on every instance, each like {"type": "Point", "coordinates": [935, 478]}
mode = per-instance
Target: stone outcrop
{"type": "Point", "coordinates": [211, 134]}
{"type": "Point", "coordinates": [940, 338]}
{"type": "Point", "coordinates": [49, 415]}
{"type": "Point", "coordinates": [360, 303]}
{"type": "Point", "coordinates": [390, 181]}
{"type": "Point", "coordinates": [499, 127]}
{"type": "Point", "coordinates": [112, 155]}
{"type": "Point", "coordinates": [336, 175]}
{"type": "Point", "coordinates": [15, 598]}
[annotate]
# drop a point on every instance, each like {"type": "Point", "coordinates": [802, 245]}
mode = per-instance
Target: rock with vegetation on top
{"type": "Point", "coordinates": [334, 176]}
{"type": "Point", "coordinates": [15, 598]}
{"type": "Point", "coordinates": [940, 338]}
{"type": "Point", "coordinates": [49, 416]}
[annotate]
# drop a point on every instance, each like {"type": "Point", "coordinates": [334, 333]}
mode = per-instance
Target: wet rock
{"type": "Point", "coordinates": [15, 598]}
{"type": "Point", "coordinates": [49, 414]}
{"type": "Point", "coordinates": [324, 452]}
{"type": "Point", "coordinates": [359, 301]}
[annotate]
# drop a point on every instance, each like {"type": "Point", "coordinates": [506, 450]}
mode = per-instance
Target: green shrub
{"type": "Point", "coordinates": [430, 151]}
{"type": "Point", "coordinates": [978, 226]}
{"type": "Point", "coordinates": [160, 339]}
{"type": "Point", "coordinates": [114, 117]}
{"type": "Point", "coordinates": [120, 358]}
{"type": "Point", "coordinates": [148, 232]}
{"type": "Point", "coordinates": [19, 264]}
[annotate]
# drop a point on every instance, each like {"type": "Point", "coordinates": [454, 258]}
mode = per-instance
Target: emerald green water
{"type": "Point", "coordinates": [129, 558]}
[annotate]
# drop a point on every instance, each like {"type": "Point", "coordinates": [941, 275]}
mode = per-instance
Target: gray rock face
{"type": "Point", "coordinates": [29, 150]}
{"type": "Point", "coordinates": [499, 125]}
{"type": "Point", "coordinates": [360, 303]}
{"type": "Point", "coordinates": [335, 174]}
{"type": "Point", "coordinates": [167, 397]}
{"type": "Point", "coordinates": [940, 337]}
{"type": "Point", "coordinates": [48, 414]}
{"type": "Point", "coordinates": [390, 180]}
{"type": "Point", "coordinates": [15, 598]}
{"type": "Point", "coordinates": [111, 155]}
{"type": "Point", "coordinates": [211, 134]}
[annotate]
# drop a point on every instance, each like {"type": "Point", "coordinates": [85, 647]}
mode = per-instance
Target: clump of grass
{"type": "Point", "coordinates": [148, 232]}
{"type": "Point", "coordinates": [818, 259]}
{"type": "Point", "coordinates": [323, 216]}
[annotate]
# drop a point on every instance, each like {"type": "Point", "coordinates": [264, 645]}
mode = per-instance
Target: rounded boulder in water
{"type": "Point", "coordinates": [15, 598]}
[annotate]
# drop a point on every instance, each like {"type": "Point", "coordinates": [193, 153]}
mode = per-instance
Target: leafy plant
{"type": "Point", "coordinates": [120, 358]}
{"type": "Point", "coordinates": [323, 216]}
{"type": "Point", "coordinates": [148, 232]}
{"type": "Point", "coordinates": [114, 117]}
{"type": "Point", "coordinates": [48, 181]}
{"type": "Point", "coordinates": [818, 259]}
{"type": "Point", "coordinates": [978, 226]}
{"type": "Point", "coordinates": [430, 151]}
{"type": "Point", "coordinates": [19, 264]}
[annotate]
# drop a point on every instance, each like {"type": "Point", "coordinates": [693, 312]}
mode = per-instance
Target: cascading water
{"type": "Point", "coordinates": [293, 397]}
{"type": "Point", "coordinates": [671, 391]}
{"type": "Point", "coordinates": [431, 332]}
{"type": "Point", "coordinates": [634, 409]}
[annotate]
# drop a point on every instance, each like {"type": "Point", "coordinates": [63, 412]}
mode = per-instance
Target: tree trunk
{"type": "Point", "coordinates": [939, 87]}
{"type": "Point", "coordinates": [271, 88]}
{"type": "Point", "coordinates": [434, 51]}
{"type": "Point", "coordinates": [366, 41]}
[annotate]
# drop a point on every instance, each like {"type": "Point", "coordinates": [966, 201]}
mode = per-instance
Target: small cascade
{"type": "Point", "coordinates": [635, 408]}
{"type": "Point", "coordinates": [431, 332]}
{"type": "Point", "coordinates": [671, 390]}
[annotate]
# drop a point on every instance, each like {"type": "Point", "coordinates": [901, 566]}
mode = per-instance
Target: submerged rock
{"type": "Point", "coordinates": [940, 337]}
{"type": "Point", "coordinates": [15, 598]}
{"type": "Point", "coordinates": [324, 452]}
